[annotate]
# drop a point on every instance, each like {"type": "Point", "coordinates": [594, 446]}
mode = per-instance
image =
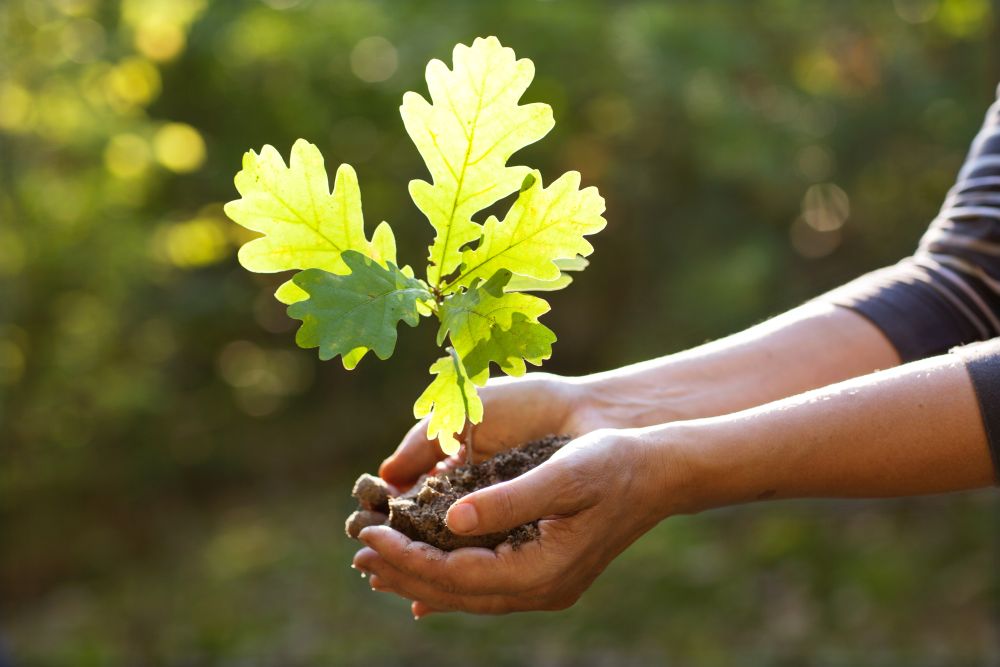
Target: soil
{"type": "Point", "coordinates": [419, 513]}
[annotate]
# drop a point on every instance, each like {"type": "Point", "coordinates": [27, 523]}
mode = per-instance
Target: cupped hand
{"type": "Point", "coordinates": [594, 497]}
{"type": "Point", "coordinates": [517, 410]}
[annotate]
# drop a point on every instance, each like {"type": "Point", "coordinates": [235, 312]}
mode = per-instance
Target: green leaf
{"type": "Point", "coordinates": [526, 284]}
{"type": "Point", "coordinates": [543, 225]}
{"type": "Point", "coordinates": [304, 225]}
{"type": "Point", "coordinates": [349, 314]}
{"type": "Point", "coordinates": [449, 400]}
{"type": "Point", "coordinates": [288, 293]}
{"type": "Point", "coordinates": [486, 324]}
{"type": "Point", "coordinates": [466, 135]}
{"type": "Point", "coordinates": [525, 340]}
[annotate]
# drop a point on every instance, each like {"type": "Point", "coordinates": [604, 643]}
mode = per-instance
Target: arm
{"type": "Point", "coordinates": [810, 346]}
{"type": "Point", "coordinates": [908, 431]}
{"type": "Point", "coordinates": [911, 430]}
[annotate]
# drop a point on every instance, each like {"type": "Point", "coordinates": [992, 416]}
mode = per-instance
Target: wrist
{"type": "Point", "coordinates": [669, 484]}
{"type": "Point", "coordinates": [703, 464]}
{"type": "Point", "coordinates": [641, 395]}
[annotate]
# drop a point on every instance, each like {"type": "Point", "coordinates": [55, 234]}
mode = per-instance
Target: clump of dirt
{"type": "Point", "coordinates": [420, 512]}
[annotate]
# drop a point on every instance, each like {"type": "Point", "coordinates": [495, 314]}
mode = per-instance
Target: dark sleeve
{"type": "Point", "coordinates": [948, 293]}
{"type": "Point", "coordinates": [983, 362]}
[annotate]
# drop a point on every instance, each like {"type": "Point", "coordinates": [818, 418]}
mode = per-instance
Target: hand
{"type": "Point", "coordinates": [517, 410]}
{"type": "Point", "coordinates": [594, 497]}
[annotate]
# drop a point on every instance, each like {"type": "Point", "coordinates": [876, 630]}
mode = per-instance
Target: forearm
{"type": "Point", "coordinates": [811, 346]}
{"type": "Point", "coordinates": [912, 430]}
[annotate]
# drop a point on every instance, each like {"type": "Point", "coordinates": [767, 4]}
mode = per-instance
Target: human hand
{"type": "Point", "coordinates": [594, 497]}
{"type": "Point", "coordinates": [517, 411]}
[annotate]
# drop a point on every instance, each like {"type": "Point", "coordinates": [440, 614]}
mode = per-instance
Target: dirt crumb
{"type": "Point", "coordinates": [372, 493]}
{"type": "Point", "coordinates": [362, 519]}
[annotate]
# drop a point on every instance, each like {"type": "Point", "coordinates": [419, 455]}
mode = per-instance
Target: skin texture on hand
{"type": "Point", "coordinates": [595, 496]}
{"type": "Point", "coordinates": [518, 410]}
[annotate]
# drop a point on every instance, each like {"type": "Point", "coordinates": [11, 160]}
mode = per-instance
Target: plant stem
{"type": "Point", "coordinates": [469, 446]}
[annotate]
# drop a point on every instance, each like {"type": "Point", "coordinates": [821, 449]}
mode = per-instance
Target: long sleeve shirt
{"type": "Point", "coordinates": [946, 296]}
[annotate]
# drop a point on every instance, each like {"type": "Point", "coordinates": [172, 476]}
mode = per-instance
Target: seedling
{"type": "Point", "coordinates": [350, 292]}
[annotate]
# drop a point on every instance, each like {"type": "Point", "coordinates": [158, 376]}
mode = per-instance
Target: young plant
{"type": "Point", "coordinates": [350, 292]}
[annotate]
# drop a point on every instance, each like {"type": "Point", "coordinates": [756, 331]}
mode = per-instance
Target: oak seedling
{"type": "Point", "coordinates": [350, 292]}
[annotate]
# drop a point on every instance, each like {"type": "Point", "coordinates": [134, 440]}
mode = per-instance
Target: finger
{"type": "Point", "coordinates": [551, 489]}
{"type": "Point", "coordinates": [421, 609]}
{"type": "Point", "coordinates": [416, 589]}
{"type": "Point", "coordinates": [379, 584]}
{"type": "Point", "coordinates": [414, 456]}
{"type": "Point", "coordinates": [471, 571]}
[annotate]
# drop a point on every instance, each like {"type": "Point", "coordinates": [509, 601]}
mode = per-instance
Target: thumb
{"type": "Point", "coordinates": [414, 457]}
{"type": "Point", "coordinates": [551, 488]}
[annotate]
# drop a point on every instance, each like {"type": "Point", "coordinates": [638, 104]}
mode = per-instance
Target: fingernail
{"type": "Point", "coordinates": [462, 518]}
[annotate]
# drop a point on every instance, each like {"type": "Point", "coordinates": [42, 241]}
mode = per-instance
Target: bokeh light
{"type": "Point", "coordinates": [179, 147]}
{"type": "Point", "coordinates": [917, 11]}
{"type": "Point", "coordinates": [192, 243]}
{"type": "Point", "coordinates": [825, 207]}
{"type": "Point", "coordinates": [127, 155]}
{"type": "Point", "coordinates": [965, 18]}
{"type": "Point", "coordinates": [160, 26]}
{"type": "Point", "coordinates": [373, 59]}
{"type": "Point", "coordinates": [262, 380]}
{"type": "Point", "coordinates": [134, 82]}
{"type": "Point", "coordinates": [16, 107]}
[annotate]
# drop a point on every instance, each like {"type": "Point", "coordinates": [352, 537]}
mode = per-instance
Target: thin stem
{"type": "Point", "coordinates": [469, 459]}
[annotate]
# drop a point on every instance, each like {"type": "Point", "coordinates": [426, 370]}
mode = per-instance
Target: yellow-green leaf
{"type": "Point", "coordinates": [525, 340]}
{"type": "Point", "coordinates": [468, 317]}
{"type": "Point", "coordinates": [465, 135]}
{"type": "Point", "coordinates": [449, 400]}
{"type": "Point", "coordinates": [382, 250]}
{"type": "Point", "coordinates": [544, 225]}
{"type": "Point", "coordinates": [486, 324]}
{"type": "Point", "coordinates": [528, 284]}
{"type": "Point", "coordinates": [303, 224]}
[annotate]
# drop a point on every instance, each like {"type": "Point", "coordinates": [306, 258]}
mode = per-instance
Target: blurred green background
{"type": "Point", "coordinates": [175, 472]}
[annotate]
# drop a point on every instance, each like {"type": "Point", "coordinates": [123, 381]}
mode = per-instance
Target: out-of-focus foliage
{"type": "Point", "coordinates": [153, 506]}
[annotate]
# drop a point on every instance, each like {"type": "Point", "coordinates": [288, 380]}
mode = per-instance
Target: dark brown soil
{"type": "Point", "coordinates": [419, 513]}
